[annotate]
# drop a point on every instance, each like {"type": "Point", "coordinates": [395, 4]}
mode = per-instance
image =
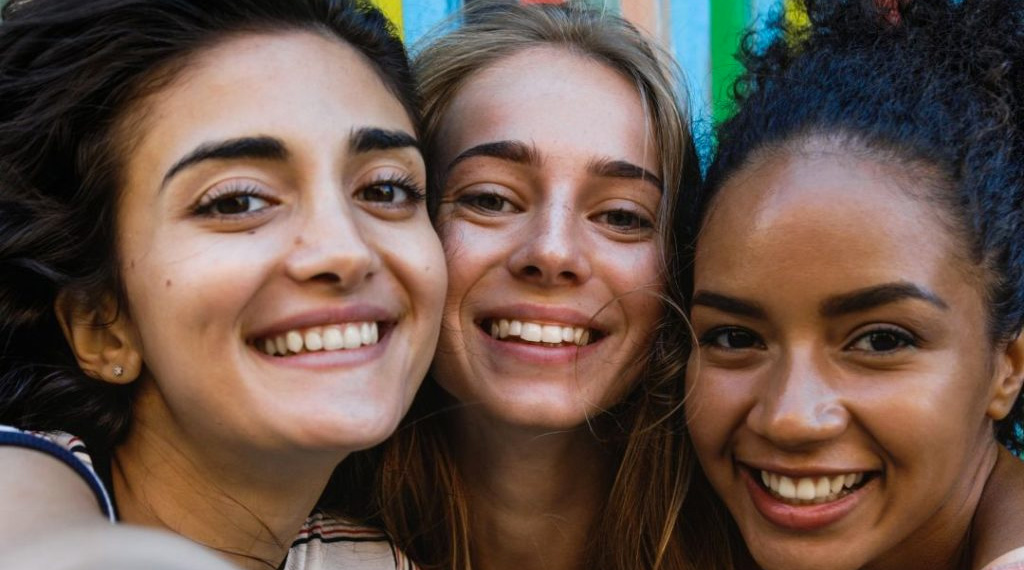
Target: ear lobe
{"type": "Point", "coordinates": [102, 338]}
{"type": "Point", "coordinates": [1008, 380]}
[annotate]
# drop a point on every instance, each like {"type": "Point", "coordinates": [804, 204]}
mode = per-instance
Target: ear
{"type": "Point", "coordinates": [103, 338]}
{"type": "Point", "coordinates": [1008, 378]}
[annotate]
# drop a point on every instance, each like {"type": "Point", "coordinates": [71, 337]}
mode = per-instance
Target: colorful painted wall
{"type": "Point", "coordinates": [702, 34]}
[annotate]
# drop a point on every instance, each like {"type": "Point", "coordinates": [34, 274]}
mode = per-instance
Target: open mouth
{"type": "Point", "coordinates": [544, 334]}
{"type": "Point", "coordinates": [811, 490]}
{"type": "Point", "coordinates": [328, 338]}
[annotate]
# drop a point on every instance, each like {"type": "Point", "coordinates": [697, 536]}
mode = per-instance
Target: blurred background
{"type": "Point", "coordinates": [702, 35]}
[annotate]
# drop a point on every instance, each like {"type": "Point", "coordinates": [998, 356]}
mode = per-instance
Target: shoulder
{"type": "Point", "coordinates": [66, 449]}
{"type": "Point", "coordinates": [1012, 560]}
{"type": "Point", "coordinates": [327, 541]}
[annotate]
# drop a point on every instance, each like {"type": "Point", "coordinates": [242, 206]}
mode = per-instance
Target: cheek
{"type": "Point", "coordinates": [470, 260]}
{"type": "Point", "coordinates": [186, 284]}
{"type": "Point", "coordinates": [711, 413]}
{"type": "Point", "coordinates": [416, 258]}
{"type": "Point", "coordinates": [638, 281]}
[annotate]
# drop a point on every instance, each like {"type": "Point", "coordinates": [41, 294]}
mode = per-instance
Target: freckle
{"type": "Point", "coordinates": [251, 232]}
{"type": "Point", "coordinates": [168, 283]}
{"type": "Point", "coordinates": [298, 240]}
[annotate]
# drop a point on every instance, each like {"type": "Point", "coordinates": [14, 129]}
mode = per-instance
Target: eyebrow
{"type": "Point", "coordinates": [877, 296]}
{"type": "Point", "coordinates": [267, 148]}
{"type": "Point", "coordinates": [728, 305]}
{"type": "Point", "coordinates": [855, 302]}
{"type": "Point", "coordinates": [622, 169]}
{"type": "Point", "coordinates": [512, 151]}
{"type": "Point", "coordinates": [371, 139]}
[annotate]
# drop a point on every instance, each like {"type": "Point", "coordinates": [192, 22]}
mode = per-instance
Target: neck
{"type": "Point", "coordinates": [997, 527]}
{"type": "Point", "coordinates": [533, 496]}
{"type": "Point", "coordinates": [248, 511]}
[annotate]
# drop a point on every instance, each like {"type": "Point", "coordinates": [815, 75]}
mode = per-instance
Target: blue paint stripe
{"type": "Point", "coordinates": [422, 16]}
{"type": "Point", "coordinates": [690, 30]}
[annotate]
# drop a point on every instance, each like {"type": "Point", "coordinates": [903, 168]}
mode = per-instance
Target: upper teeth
{"type": "Point", "coordinates": [332, 337]}
{"type": "Point", "coordinates": [538, 332]}
{"type": "Point", "coordinates": [810, 489]}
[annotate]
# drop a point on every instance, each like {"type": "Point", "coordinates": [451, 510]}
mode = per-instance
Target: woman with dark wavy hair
{"type": "Point", "coordinates": [858, 291]}
{"type": "Point", "coordinates": [216, 269]}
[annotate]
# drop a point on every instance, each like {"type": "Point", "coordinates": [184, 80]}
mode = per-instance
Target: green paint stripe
{"type": "Point", "coordinates": [613, 6]}
{"type": "Point", "coordinates": [728, 20]}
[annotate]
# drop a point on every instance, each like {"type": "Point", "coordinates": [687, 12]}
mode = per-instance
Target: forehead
{"type": "Point", "coordinates": [289, 84]}
{"type": "Point", "coordinates": [555, 99]}
{"type": "Point", "coordinates": [828, 218]}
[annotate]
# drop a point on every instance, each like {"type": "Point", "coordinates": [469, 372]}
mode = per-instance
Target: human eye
{"type": "Point", "coordinates": [394, 192]}
{"type": "Point", "coordinates": [731, 339]}
{"type": "Point", "coordinates": [625, 220]}
{"type": "Point", "coordinates": [233, 201]}
{"type": "Point", "coordinates": [486, 202]}
{"type": "Point", "coordinates": [883, 341]}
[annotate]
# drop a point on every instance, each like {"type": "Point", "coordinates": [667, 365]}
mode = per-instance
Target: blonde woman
{"type": "Point", "coordinates": [550, 433]}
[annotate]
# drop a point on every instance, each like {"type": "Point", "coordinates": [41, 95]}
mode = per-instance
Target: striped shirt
{"type": "Point", "coordinates": [324, 542]}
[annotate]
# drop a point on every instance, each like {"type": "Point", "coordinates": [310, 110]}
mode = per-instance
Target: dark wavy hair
{"type": "Point", "coordinates": [936, 86]}
{"type": "Point", "coordinates": [70, 74]}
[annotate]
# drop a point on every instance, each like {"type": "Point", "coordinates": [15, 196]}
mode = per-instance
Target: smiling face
{"type": "Point", "coordinates": [281, 273]}
{"type": "Point", "coordinates": [550, 203]}
{"type": "Point", "coordinates": [841, 395]}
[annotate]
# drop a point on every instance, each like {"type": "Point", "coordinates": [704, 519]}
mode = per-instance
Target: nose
{"type": "Point", "coordinates": [798, 408]}
{"type": "Point", "coordinates": [551, 249]}
{"type": "Point", "coordinates": [329, 246]}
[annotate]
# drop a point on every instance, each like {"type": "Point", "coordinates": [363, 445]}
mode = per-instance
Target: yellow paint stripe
{"type": "Point", "coordinates": [393, 10]}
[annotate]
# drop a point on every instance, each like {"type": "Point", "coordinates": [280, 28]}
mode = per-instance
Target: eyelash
{"type": "Point", "coordinates": [642, 222]}
{"type": "Point", "coordinates": [206, 204]}
{"type": "Point", "coordinates": [472, 200]}
{"type": "Point", "coordinates": [413, 190]}
{"type": "Point", "coordinates": [902, 336]}
{"type": "Point", "coordinates": [708, 338]}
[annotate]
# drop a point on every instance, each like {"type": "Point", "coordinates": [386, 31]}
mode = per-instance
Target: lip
{"type": "Point", "coordinates": [802, 517]}
{"type": "Point", "coordinates": [326, 317]}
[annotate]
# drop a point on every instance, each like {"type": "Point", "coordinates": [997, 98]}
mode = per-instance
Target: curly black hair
{"type": "Point", "coordinates": [937, 84]}
{"type": "Point", "coordinates": [70, 74]}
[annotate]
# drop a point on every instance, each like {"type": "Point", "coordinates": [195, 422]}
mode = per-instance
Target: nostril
{"type": "Point", "coordinates": [532, 271]}
{"type": "Point", "coordinates": [327, 277]}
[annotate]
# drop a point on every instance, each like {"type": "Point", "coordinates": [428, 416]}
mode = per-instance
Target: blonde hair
{"type": "Point", "coordinates": [420, 498]}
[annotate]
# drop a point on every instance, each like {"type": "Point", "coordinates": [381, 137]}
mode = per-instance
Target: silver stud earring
{"type": "Point", "coordinates": [118, 371]}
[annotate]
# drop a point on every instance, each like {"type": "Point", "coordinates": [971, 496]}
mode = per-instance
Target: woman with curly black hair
{"type": "Point", "coordinates": [858, 291]}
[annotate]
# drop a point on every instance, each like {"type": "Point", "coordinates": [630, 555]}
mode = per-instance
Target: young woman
{"type": "Point", "coordinates": [858, 291]}
{"type": "Point", "coordinates": [550, 435]}
{"type": "Point", "coordinates": [217, 266]}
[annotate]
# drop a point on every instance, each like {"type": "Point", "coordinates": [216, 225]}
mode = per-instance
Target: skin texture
{"type": "Point", "coordinates": [231, 446]}
{"type": "Point", "coordinates": [902, 388]}
{"type": "Point", "coordinates": [556, 228]}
